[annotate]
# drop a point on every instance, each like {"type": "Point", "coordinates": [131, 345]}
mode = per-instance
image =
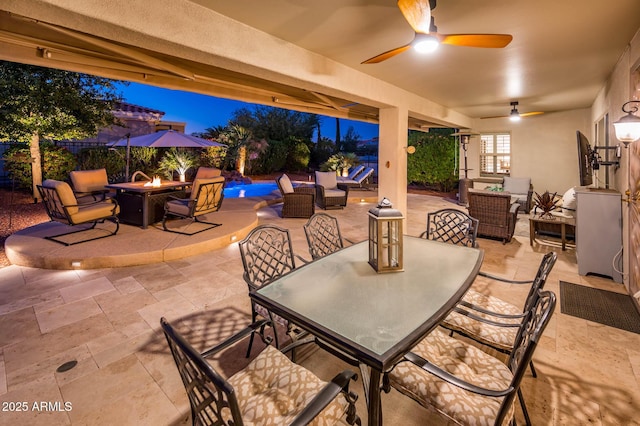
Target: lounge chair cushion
{"type": "Point", "coordinates": [87, 181]}
{"type": "Point", "coordinates": [517, 187]}
{"type": "Point", "coordinates": [328, 180]}
{"type": "Point", "coordinates": [286, 185]}
{"type": "Point", "coordinates": [272, 390]}
{"type": "Point", "coordinates": [91, 212]}
{"type": "Point", "coordinates": [207, 173]}
{"type": "Point", "coordinates": [464, 361]}
{"type": "Point", "coordinates": [65, 194]}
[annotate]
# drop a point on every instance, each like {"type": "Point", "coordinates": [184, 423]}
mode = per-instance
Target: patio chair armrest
{"type": "Point", "coordinates": [304, 190]}
{"type": "Point", "coordinates": [514, 209]}
{"type": "Point", "coordinates": [252, 328]}
{"type": "Point", "coordinates": [418, 361]}
{"type": "Point", "coordinates": [98, 195]}
{"type": "Point", "coordinates": [504, 280]}
{"type": "Point", "coordinates": [478, 318]}
{"type": "Point", "coordinates": [340, 383]}
{"type": "Point", "coordinates": [344, 187]}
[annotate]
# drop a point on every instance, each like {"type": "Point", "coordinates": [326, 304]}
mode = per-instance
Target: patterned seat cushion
{"type": "Point", "coordinates": [498, 337]}
{"type": "Point", "coordinates": [465, 362]}
{"type": "Point", "coordinates": [272, 390]}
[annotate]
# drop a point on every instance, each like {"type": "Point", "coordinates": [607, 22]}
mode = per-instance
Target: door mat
{"type": "Point", "coordinates": [601, 306]}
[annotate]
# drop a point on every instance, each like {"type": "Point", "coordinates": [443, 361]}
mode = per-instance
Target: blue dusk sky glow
{"type": "Point", "coordinates": [203, 111]}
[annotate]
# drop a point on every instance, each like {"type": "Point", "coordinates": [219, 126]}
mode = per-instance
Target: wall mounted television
{"type": "Point", "coordinates": [585, 159]}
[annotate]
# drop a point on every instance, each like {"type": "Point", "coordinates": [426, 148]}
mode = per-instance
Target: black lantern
{"type": "Point", "coordinates": [385, 238]}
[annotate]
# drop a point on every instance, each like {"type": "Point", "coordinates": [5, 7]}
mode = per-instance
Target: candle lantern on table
{"type": "Point", "coordinates": [385, 238]}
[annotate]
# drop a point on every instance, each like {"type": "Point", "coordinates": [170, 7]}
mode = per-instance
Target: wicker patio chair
{"type": "Point", "coordinates": [495, 213]}
{"type": "Point", "coordinates": [61, 206]}
{"type": "Point", "coordinates": [298, 201]}
{"type": "Point", "coordinates": [454, 378]}
{"type": "Point", "coordinates": [330, 194]}
{"type": "Point", "coordinates": [270, 390]}
{"type": "Point", "coordinates": [323, 235]}
{"type": "Point", "coordinates": [451, 226]}
{"type": "Point", "coordinates": [206, 197]}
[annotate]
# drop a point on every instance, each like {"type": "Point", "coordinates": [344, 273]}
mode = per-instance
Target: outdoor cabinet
{"type": "Point", "coordinates": [599, 232]}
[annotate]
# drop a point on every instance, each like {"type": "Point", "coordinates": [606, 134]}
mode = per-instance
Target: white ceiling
{"type": "Point", "coordinates": [561, 54]}
{"type": "Point", "coordinates": [560, 57]}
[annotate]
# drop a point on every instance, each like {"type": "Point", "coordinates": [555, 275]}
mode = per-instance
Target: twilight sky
{"type": "Point", "coordinates": [202, 111]}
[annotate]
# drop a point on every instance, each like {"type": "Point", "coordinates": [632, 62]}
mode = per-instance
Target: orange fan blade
{"type": "Point", "coordinates": [476, 40]}
{"type": "Point", "coordinates": [527, 114]}
{"type": "Point", "coordinates": [386, 55]}
{"type": "Point", "coordinates": [417, 13]}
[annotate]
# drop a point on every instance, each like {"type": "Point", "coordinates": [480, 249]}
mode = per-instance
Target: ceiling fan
{"type": "Point", "coordinates": [515, 115]}
{"type": "Point", "coordinates": [418, 15]}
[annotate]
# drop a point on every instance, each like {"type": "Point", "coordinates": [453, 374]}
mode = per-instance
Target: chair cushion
{"type": "Point", "coordinates": [464, 361]}
{"type": "Point", "coordinates": [329, 193]}
{"type": "Point", "coordinates": [272, 390]}
{"type": "Point", "coordinates": [179, 207]}
{"type": "Point", "coordinates": [569, 202]}
{"type": "Point", "coordinates": [207, 173]}
{"type": "Point", "coordinates": [327, 179]}
{"type": "Point", "coordinates": [95, 211]}
{"type": "Point", "coordinates": [501, 337]}
{"type": "Point", "coordinates": [286, 185]}
{"type": "Point", "coordinates": [516, 185]}
{"type": "Point", "coordinates": [65, 194]}
{"type": "Point", "coordinates": [89, 180]}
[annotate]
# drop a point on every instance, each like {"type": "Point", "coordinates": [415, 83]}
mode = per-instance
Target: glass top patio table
{"type": "Point", "coordinates": [376, 318]}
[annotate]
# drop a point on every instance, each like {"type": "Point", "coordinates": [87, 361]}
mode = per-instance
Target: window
{"type": "Point", "coordinates": [495, 154]}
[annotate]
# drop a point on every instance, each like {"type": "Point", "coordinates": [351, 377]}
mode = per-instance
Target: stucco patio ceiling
{"type": "Point", "coordinates": [561, 54]}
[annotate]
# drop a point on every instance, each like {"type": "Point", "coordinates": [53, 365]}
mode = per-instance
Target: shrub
{"type": "Point", "coordinates": [433, 163]}
{"type": "Point", "coordinates": [273, 159]}
{"type": "Point", "coordinates": [298, 156]}
{"type": "Point", "coordinates": [339, 162]}
{"type": "Point", "coordinates": [57, 162]}
{"type": "Point", "coordinates": [213, 156]}
{"type": "Point", "coordinates": [101, 157]}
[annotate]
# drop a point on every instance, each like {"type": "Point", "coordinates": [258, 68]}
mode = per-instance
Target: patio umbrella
{"type": "Point", "coordinates": [166, 139]}
{"type": "Point", "coordinates": [163, 139]}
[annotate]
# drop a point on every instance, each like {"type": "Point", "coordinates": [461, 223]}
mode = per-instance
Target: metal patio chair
{"type": "Point", "coordinates": [451, 226]}
{"type": "Point", "coordinates": [465, 384]}
{"type": "Point", "coordinates": [206, 197]}
{"type": "Point", "coordinates": [89, 185]}
{"type": "Point", "coordinates": [62, 206]}
{"type": "Point", "coordinates": [323, 235]}
{"type": "Point", "coordinates": [270, 390]}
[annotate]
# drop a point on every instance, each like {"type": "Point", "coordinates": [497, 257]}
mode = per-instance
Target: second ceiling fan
{"type": "Point", "coordinates": [515, 115]}
{"type": "Point", "coordinates": [426, 39]}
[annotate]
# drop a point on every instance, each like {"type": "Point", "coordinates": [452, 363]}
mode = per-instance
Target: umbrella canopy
{"type": "Point", "coordinates": [167, 139]}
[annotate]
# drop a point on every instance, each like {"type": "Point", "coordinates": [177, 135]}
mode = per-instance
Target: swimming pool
{"type": "Point", "coordinates": [241, 190]}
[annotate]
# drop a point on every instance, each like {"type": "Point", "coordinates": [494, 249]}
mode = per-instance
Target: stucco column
{"type": "Point", "coordinates": [392, 157]}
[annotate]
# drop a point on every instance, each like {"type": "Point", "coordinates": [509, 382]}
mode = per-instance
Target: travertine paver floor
{"type": "Point", "coordinates": [108, 320]}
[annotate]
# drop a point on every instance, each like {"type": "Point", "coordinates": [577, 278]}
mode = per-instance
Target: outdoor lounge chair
{"type": "Point", "coordinates": [360, 180]}
{"type": "Point", "coordinates": [352, 174]}
{"type": "Point", "coordinates": [495, 213]}
{"type": "Point", "coordinates": [89, 185]}
{"type": "Point", "coordinates": [271, 390]}
{"type": "Point", "coordinates": [330, 194]}
{"type": "Point", "coordinates": [456, 379]}
{"type": "Point", "coordinates": [299, 201]}
{"type": "Point", "coordinates": [206, 197]}
{"type": "Point", "coordinates": [62, 206]}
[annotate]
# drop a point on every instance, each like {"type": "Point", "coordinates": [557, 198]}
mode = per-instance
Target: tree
{"type": "Point", "coordinates": [44, 103]}
{"type": "Point", "coordinates": [278, 124]}
{"type": "Point", "coordinates": [351, 139]}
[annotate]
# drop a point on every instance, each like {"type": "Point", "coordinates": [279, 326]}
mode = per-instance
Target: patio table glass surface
{"type": "Point", "coordinates": [343, 294]}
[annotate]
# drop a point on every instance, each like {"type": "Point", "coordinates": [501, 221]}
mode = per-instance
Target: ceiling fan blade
{"type": "Point", "coordinates": [417, 13]}
{"type": "Point", "coordinates": [386, 55]}
{"type": "Point", "coordinates": [528, 114]}
{"type": "Point", "coordinates": [476, 40]}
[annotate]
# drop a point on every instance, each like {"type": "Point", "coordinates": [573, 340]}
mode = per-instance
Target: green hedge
{"type": "Point", "coordinates": [433, 163]}
{"type": "Point", "coordinates": [57, 162]}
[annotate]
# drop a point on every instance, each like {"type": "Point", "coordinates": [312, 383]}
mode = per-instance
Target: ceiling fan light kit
{"type": "Point", "coordinates": [514, 115]}
{"type": "Point", "coordinates": [425, 43]}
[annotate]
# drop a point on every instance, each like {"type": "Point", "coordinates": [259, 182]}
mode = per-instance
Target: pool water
{"type": "Point", "coordinates": [241, 190]}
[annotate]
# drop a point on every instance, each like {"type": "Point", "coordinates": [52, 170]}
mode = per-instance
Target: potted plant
{"type": "Point", "coordinates": [546, 203]}
{"type": "Point", "coordinates": [176, 161]}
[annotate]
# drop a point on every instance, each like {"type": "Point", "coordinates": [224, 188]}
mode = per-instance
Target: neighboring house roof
{"type": "Point", "coordinates": [125, 110]}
